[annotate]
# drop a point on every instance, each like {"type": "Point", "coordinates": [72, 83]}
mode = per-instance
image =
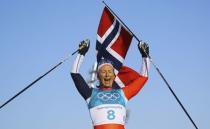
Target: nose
{"type": "Point", "coordinates": [107, 73]}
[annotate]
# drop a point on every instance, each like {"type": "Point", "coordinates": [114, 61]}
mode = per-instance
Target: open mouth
{"type": "Point", "coordinates": [107, 80]}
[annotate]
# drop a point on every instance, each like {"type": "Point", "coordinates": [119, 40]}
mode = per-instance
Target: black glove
{"type": "Point", "coordinates": [84, 46]}
{"type": "Point", "coordinates": [144, 49]}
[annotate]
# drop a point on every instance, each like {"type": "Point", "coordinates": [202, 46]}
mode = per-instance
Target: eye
{"type": "Point", "coordinates": [103, 71]}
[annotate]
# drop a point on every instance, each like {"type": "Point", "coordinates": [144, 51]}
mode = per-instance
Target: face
{"type": "Point", "coordinates": [106, 75]}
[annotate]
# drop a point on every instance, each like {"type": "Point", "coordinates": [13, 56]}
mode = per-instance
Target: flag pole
{"type": "Point", "coordinates": [35, 81]}
{"type": "Point", "coordinates": [155, 66]}
{"type": "Point", "coordinates": [122, 22]}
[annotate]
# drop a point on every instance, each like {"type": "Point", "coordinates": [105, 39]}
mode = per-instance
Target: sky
{"type": "Point", "coordinates": [35, 35]}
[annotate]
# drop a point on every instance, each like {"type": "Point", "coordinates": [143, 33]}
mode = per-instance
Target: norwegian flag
{"type": "Point", "coordinates": [113, 41]}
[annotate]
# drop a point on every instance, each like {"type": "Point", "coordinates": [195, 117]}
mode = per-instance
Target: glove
{"type": "Point", "coordinates": [84, 46]}
{"type": "Point", "coordinates": [144, 49]}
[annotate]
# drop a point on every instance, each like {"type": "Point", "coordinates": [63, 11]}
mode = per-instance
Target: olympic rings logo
{"type": "Point", "coordinates": [108, 96]}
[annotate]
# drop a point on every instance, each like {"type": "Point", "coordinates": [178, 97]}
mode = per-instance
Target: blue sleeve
{"type": "Point", "coordinates": [81, 85]}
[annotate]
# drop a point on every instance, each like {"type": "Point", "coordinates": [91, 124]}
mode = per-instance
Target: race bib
{"type": "Point", "coordinates": [108, 114]}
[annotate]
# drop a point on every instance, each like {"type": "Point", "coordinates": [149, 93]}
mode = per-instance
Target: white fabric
{"type": "Point", "coordinates": [101, 65]}
{"type": "Point", "coordinates": [119, 82]}
{"type": "Point", "coordinates": [145, 67]}
{"type": "Point", "coordinates": [88, 100]}
{"type": "Point", "coordinates": [77, 63]}
{"type": "Point", "coordinates": [113, 52]}
{"type": "Point", "coordinates": [108, 114]}
{"type": "Point", "coordinates": [101, 39]}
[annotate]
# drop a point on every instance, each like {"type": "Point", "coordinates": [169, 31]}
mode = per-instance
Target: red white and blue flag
{"type": "Point", "coordinates": [113, 41]}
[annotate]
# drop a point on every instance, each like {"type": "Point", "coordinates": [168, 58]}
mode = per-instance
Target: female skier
{"type": "Point", "coordinates": [107, 105]}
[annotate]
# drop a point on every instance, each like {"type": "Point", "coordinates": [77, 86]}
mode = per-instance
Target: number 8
{"type": "Point", "coordinates": [110, 115]}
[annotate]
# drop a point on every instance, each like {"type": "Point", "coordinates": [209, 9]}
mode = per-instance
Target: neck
{"type": "Point", "coordinates": [105, 87]}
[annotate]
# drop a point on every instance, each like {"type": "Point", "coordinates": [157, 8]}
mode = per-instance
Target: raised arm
{"type": "Point", "coordinates": [133, 88]}
{"type": "Point", "coordinates": [79, 81]}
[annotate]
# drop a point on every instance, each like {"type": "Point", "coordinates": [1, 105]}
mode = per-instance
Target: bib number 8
{"type": "Point", "coordinates": [110, 115]}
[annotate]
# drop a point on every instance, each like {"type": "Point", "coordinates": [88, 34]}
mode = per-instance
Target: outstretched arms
{"type": "Point", "coordinates": [83, 48]}
{"type": "Point", "coordinates": [144, 50]}
{"type": "Point", "coordinates": [133, 88]}
{"type": "Point", "coordinates": [79, 81]}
